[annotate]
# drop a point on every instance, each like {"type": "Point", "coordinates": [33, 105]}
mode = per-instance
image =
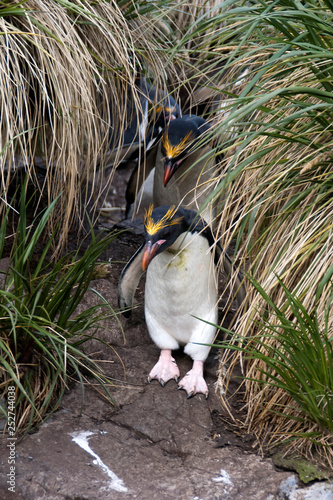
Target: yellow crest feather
{"type": "Point", "coordinates": [173, 151]}
{"type": "Point", "coordinates": [153, 227]}
{"type": "Point", "coordinates": [166, 109]}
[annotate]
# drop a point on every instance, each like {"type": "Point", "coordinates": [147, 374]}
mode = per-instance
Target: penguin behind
{"type": "Point", "coordinates": [138, 130]}
{"type": "Point", "coordinates": [179, 169]}
{"type": "Point", "coordinates": [181, 283]}
{"type": "Point", "coordinates": [166, 108]}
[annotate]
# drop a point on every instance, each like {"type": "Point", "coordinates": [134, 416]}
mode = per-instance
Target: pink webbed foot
{"type": "Point", "coordinates": [194, 382]}
{"type": "Point", "coordinates": [165, 369]}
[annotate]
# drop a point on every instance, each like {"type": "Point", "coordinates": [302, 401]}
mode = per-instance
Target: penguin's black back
{"type": "Point", "coordinates": [192, 126]}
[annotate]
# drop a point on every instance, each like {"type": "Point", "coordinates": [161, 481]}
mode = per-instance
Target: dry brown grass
{"type": "Point", "coordinates": [63, 72]}
{"type": "Point", "coordinates": [278, 204]}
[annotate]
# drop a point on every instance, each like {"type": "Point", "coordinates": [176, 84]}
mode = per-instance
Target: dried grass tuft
{"type": "Point", "coordinates": [66, 73]}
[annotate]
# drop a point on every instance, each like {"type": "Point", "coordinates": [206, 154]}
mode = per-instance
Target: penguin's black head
{"type": "Point", "coordinates": [178, 140]}
{"type": "Point", "coordinates": [166, 110]}
{"type": "Point", "coordinates": [162, 225]}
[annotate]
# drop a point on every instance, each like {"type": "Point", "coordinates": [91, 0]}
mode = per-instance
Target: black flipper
{"type": "Point", "coordinates": [129, 281]}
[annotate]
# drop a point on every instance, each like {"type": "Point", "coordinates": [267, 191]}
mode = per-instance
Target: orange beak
{"type": "Point", "coordinates": [150, 252]}
{"type": "Point", "coordinates": [169, 117]}
{"type": "Point", "coordinates": [168, 172]}
{"type": "Point", "coordinates": [170, 168]}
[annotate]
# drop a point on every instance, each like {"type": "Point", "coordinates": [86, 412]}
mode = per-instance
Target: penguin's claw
{"type": "Point", "coordinates": [161, 381]}
{"type": "Point", "coordinates": [165, 369]}
{"type": "Point", "coordinates": [193, 383]}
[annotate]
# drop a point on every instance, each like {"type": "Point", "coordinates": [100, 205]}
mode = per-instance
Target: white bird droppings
{"type": "Point", "coordinates": [81, 438]}
{"type": "Point", "coordinates": [223, 478]}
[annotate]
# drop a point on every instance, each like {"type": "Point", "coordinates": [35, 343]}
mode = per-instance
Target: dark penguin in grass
{"type": "Point", "coordinates": [166, 109]}
{"type": "Point", "coordinates": [138, 131]}
{"type": "Point", "coordinates": [180, 168]}
{"type": "Point", "coordinates": [181, 286]}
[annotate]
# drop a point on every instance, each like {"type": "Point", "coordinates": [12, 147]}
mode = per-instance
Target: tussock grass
{"type": "Point", "coordinates": [288, 366]}
{"type": "Point", "coordinates": [42, 336]}
{"type": "Point", "coordinates": [275, 195]}
{"type": "Point", "coordinates": [66, 73]}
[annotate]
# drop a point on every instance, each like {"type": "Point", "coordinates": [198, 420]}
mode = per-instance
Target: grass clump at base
{"type": "Point", "coordinates": [288, 369]}
{"type": "Point", "coordinates": [41, 337]}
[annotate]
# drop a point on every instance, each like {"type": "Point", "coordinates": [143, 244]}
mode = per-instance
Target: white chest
{"type": "Point", "coordinates": [180, 284]}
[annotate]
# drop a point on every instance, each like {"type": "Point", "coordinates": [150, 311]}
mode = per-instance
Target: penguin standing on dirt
{"type": "Point", "coordinates": [181, 286]}
{"type": "Point", "coordinates": [179, 169]}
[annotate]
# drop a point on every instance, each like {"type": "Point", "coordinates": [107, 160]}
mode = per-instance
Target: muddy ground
{"type": "Point", "coordinates": [153, 442]}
